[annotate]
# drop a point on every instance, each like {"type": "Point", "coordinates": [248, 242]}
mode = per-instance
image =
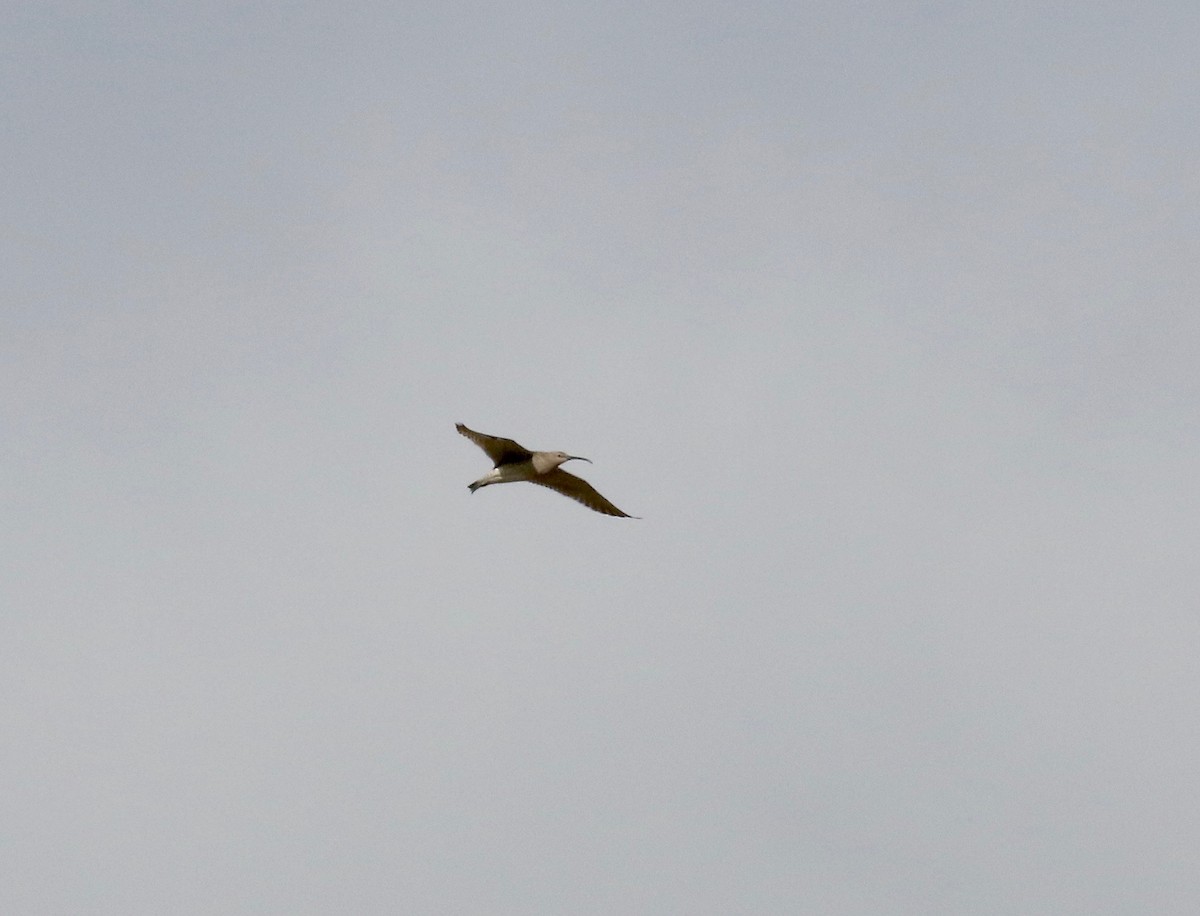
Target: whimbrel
{"type": "Point", "coordinates": [515, 462]}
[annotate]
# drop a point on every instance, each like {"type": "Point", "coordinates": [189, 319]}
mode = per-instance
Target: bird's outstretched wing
{"type": "Point", "coordinates": [578, 489]}
{"type": "Point", "coordinates": [501, 451]}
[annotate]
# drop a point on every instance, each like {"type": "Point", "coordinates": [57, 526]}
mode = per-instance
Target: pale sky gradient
{"type": "Point", "coordinates": [885, 316]}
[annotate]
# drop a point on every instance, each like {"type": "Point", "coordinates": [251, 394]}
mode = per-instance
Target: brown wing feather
{"type": "Point", "coordinates": [578, 489]}
{"type": "Point", "coordinates": [501, 451]}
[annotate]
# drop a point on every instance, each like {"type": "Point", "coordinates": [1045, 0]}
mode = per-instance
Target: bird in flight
{"type": "Point", "coordinates": [514, 462]}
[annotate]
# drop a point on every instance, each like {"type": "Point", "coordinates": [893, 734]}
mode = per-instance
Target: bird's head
{"type": "Point", "coordinates": [563, 457]}
{"type": "Point", "coordinates": [544, 462]}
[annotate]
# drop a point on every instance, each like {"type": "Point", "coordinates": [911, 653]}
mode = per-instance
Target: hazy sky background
{"type": "Point", "coordinates": [883, 315]}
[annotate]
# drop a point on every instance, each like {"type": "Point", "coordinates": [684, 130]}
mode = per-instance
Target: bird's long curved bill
{"type": "Point", "coordinates": [577, 458]}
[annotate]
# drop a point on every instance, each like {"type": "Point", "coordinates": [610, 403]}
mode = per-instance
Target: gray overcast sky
{"type": "Point", "coordinates": [884, 315]}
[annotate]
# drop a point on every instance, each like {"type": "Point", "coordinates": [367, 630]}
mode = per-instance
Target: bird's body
{"type": "Point", "coordinates": [514, 463]}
